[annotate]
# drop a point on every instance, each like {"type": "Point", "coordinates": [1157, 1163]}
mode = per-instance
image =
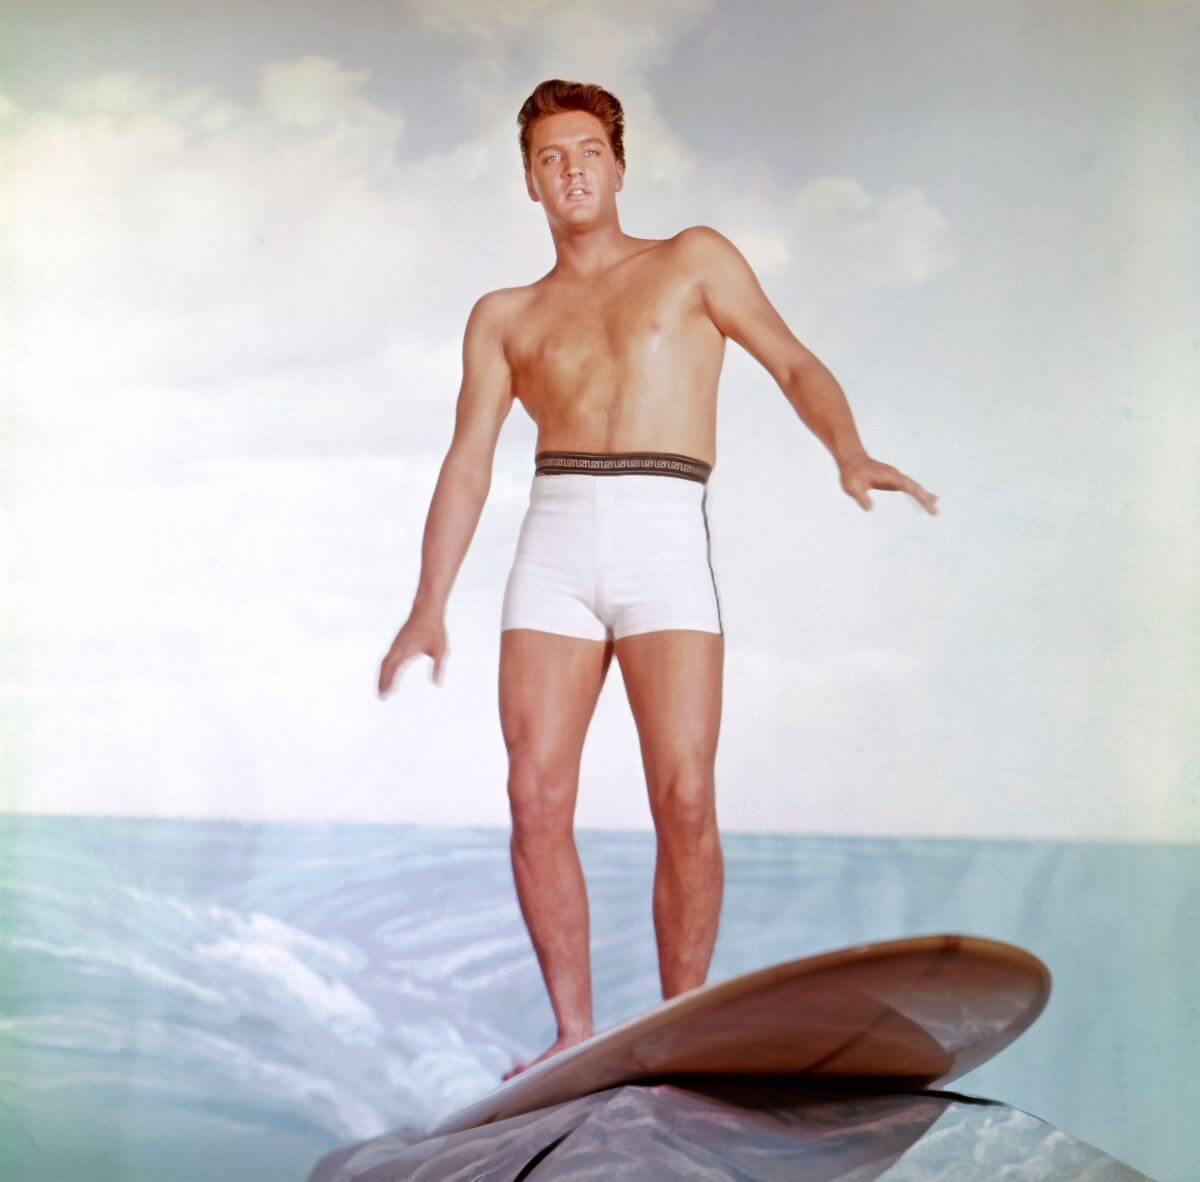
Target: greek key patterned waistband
{"type": "Point", "coordinates": [619, 463]}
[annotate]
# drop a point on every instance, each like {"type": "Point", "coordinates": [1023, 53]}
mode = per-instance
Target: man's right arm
{"type": "Point", "coordinates": [484, 400]}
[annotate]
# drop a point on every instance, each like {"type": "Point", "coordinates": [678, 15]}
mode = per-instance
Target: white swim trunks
{"type": "Point", "coordinates": [614, 543]}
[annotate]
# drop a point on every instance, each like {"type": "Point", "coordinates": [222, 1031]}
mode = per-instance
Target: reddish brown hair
{"type": "Point", "coordinates": [554, 95]}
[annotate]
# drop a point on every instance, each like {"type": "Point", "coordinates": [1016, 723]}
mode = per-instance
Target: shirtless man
{"type": "Point", "coordinates": [615, 353]}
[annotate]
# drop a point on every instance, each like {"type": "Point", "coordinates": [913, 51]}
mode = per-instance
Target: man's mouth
{"type": "Point", "coordinates": [577, 191]}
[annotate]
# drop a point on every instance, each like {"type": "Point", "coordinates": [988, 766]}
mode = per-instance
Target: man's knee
{"type": "Point", "coordinates": [683, 805]}
{"type": "Point", "coordinates": [541, 794]}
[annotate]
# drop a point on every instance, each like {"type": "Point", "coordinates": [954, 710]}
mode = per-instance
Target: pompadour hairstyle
{"type": "Point", "coordinates": [555, 95]}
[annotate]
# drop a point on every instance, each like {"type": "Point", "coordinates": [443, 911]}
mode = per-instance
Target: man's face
{"type": "Point", "coordinates": [570, 151]}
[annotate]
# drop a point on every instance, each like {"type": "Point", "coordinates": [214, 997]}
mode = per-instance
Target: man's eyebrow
{"type": "Point", "coordinates": [591, 139]}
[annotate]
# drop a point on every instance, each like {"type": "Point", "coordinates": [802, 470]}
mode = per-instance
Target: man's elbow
{"type": "Point", "coordinates": [469, 468]}
{"type": "Point", "coordinates": [800, 369]}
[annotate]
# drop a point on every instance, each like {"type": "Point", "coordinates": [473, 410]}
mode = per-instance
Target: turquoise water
{"type": "Point", "coordinates": [189, 1000]}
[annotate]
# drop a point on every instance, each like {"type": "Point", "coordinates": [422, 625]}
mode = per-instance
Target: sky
{"type": "Point", "coordinates": [239, 244]}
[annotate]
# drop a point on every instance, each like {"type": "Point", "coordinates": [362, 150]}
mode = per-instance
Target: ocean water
{"type": "Point", "coordinates": [185, 1001]}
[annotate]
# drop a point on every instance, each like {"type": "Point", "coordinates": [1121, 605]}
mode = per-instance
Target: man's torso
{"type": "Point", "coordinates": [626, 361]}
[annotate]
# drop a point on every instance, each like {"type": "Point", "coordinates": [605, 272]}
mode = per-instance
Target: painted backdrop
{"type": "Point", "coordinates": [239, 245]}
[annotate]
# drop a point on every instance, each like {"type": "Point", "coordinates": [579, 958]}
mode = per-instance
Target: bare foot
{"type": "Point", "coordinates": [561, 1043]}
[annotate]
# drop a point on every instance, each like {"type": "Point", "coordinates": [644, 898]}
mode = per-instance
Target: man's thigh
{"type": "Point", "coordinates": [673, 680]}
{"type": "Point", "coordinates": [549, 686]}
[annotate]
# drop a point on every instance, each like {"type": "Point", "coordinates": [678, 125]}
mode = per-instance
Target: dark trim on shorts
{"type": "Point", "coordinates": [622, 463]}
{"type": "Point", "coordinates": [708, 555]}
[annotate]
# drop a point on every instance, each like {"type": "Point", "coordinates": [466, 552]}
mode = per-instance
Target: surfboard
{"type": "Point", "coordinates": [896, 1015]}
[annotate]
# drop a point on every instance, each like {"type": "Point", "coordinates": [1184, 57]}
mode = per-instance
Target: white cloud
{"type": "Point", "coordinates": [897, 238]}
{"type": "Point", "coordinates": [631, 34]}
{"type": "Point", "coordinates": [315, 92]}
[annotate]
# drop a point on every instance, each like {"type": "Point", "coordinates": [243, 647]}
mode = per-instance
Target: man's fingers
{"type": "Point", "coordinates": [927, 499]}
{"type": "Point", "coordinates": [385, 677]}
{"type": "Point", "coordinates": [889, 481]}
{"type": "Point", "coordinates": [857, 488]}
{"type": "Point", "coordinates": [859, 493]}
{"type": "Point", "coordinates": [393, 670]}
{"type": "Point", "coordinates": [861, 476]}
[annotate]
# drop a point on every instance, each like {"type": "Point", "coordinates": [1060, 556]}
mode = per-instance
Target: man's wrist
{"type": "Point", "coordinates": [428, 606]}
{"type": "Point", "coordinates": [850, 454]}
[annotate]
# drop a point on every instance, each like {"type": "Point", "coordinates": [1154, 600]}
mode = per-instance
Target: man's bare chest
{"type": "Point", "coordinates": [568, 333]}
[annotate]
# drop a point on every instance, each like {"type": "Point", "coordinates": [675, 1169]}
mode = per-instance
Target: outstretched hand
{"type": "Point", "coordinates": [420, 634]}
{"type": "Point", "coordinates": [860, 474]}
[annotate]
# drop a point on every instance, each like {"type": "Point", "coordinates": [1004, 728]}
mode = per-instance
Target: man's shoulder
{"type": "Point", "coordinates": [703, 241]}
{"type": "Point", "coordinates": [503, 301]}
{"type": "Point", "coordinates": [496, 308]}
{"type": "Point", "coordinates": [703, 251]}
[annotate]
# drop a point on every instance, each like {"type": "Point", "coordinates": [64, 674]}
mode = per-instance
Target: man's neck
{"type": "Point", "coordinates": [583, 254]}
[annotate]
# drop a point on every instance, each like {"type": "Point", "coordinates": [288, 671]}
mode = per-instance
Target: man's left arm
{"type": "Point", "coordinates": [739, 307]}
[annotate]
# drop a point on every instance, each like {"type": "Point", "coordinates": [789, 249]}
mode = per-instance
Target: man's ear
{"type": "Point", "coordinates": [620, 176]}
